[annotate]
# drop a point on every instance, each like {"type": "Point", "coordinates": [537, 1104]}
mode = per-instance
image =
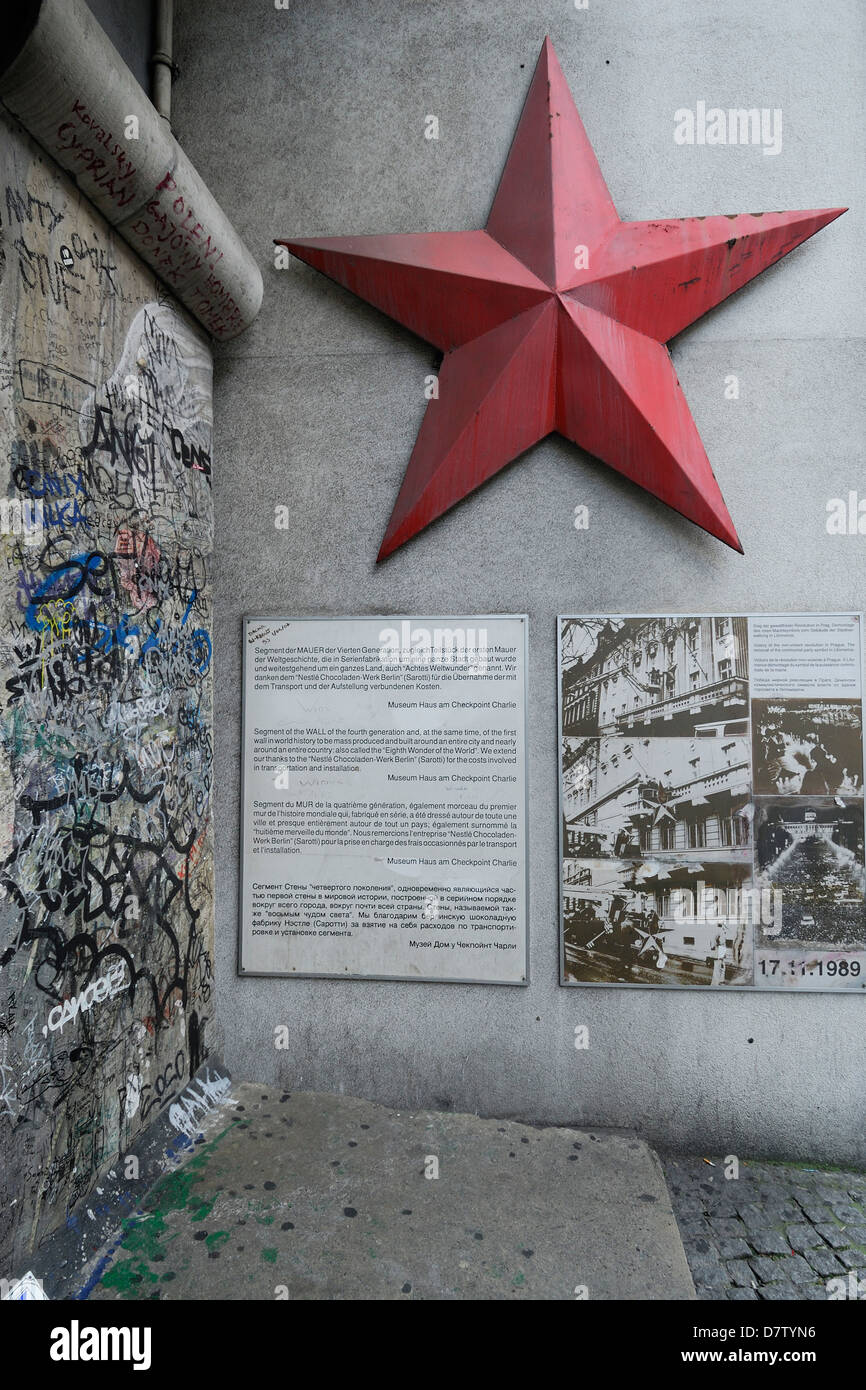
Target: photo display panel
{"type": "Point", "coordinates": [711, 801]}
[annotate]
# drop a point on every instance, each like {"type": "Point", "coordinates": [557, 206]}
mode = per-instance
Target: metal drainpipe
{"type": "Point", "coordinates": [161, 58]}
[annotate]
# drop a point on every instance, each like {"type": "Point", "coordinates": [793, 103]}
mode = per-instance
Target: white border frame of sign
{"type": "Point", "coordinates": [382, 618]}
{"type": "Point", "coordinates": [732, 990]}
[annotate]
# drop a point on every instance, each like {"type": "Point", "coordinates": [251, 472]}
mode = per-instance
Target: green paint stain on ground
{"type": "Point", "coordinates": [144, 1236]}
{"type": "Point", "coordinates": [265, 1220]}
{"type": "Point", "coordinates": [128, 1276]}
{"type": "Point", "coordinates": [217, 1239]}
{"type": "Point", "coordinates": [518, 1280]}
{"type": "Point", "coordinates": [174, 1192]}
{"type": "Point", "coordinates": [269, 1254]}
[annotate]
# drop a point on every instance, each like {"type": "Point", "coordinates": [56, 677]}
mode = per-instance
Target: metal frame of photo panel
{"type": "Point", "coordinates": [676, 988]}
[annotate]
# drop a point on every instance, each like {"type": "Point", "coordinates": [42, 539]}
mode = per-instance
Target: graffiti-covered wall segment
{"type": "Point", "coordinates": [106, 879]}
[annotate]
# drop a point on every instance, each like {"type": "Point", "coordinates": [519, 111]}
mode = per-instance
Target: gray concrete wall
{"type": "Point", "coordinates": [310, 121]}
{"type": "Point", "coordinates": [129, 25]}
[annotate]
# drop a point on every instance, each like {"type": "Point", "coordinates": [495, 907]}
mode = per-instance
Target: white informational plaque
{"type": "Point", "coordinates": [384, 801]}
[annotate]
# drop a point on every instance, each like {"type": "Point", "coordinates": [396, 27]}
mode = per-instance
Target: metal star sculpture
{"type": "Point", "coordinates": [555, 318]}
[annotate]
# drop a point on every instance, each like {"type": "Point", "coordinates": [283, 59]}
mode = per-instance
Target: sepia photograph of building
{"type": "Point", "coordinates": [666, 676]}
{"type": "Point", "coordinates": [624, 797]}
{"type": "Point", "coordinates": [808, 747]}
{"type": "Point", "coordinates": [663, 921]}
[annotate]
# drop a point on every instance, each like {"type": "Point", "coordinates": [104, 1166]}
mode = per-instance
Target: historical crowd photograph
{"type": "Point", "coordinates": [808, 747]}
{"type": "Point", "coordinates": [666, 921]}
{"type": "Point", "coordinates": [812, 854]}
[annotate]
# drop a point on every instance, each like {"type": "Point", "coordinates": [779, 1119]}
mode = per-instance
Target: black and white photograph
{"type": "Point", "coordinates": [811, 853]}
{"type": "Point", "coordinates": [658, 676]}
{"type": "Point", "coordinates": [660, 921]}
{"type": "Point", "coordinates": [807, 747]}
{"type": "Point", "coordinates": [626, 797]}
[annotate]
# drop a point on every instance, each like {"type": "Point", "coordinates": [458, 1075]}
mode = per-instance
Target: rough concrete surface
{"type": "Point", "coordinates": [320, 131]}
{"type": "Point", "coordinates": [129, 25]}
{"type": "Point", "coordinates": [312, 1196]}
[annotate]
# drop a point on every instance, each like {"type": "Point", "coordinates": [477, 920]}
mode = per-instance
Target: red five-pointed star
{"type": "Point", "coordinates": [555, 317]}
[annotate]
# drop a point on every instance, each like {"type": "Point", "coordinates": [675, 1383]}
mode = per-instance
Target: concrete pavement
{"type": "Point", "coordinates": [314, 1196]}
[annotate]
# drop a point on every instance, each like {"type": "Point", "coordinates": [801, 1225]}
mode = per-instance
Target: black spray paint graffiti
{"type": "Point", "coordinates": [106, 731]}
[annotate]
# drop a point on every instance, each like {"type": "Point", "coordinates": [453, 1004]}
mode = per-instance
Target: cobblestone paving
{"type": "Point", "coordinates": [778, 1231]}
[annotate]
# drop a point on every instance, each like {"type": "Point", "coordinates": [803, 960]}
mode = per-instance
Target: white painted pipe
{"type": "Point", "coordinates": [69, 87]}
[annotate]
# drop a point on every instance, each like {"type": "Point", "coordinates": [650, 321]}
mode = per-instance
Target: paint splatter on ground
{"type": "Point", "coordinates": [311, 1196]}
